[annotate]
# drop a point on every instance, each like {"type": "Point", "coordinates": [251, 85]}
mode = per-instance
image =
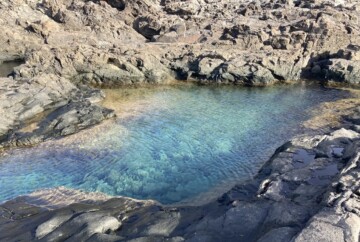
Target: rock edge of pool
{"type": "Point", "coordinates": [56, 57]}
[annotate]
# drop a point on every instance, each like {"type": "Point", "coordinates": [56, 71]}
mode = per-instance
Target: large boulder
{"type": "Point", "coordinates": [189, 7]}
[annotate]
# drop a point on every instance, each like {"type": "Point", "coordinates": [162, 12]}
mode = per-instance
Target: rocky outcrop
{"type": "Point", "coordinates": [341, 67]}
{"type": "Point", "coordinates": [57, 107]}
{"type": "Point", "coordinates": [307, 191]}
{"type": "Point", "coordinates": [81, 36]}
{"type": "Point", "coordinates": [71, 44]}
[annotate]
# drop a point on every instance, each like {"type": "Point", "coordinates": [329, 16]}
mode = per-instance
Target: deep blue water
{"type": "Point", "coordinates": [168, 143]}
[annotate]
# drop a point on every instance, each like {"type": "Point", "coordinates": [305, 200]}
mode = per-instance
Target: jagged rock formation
{"type": "Point", "coordinates": [74, 45]}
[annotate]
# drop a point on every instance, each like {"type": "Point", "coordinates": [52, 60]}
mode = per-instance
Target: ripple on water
{"type": "Point", "coordinates": [168, 143]}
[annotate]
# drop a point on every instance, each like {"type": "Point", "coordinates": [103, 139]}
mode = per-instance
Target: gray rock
{"type": "Point", "coordinates": [341, 70]}
{"type": "Point", "coordinates": [81, 227]}
{"type": "Point", "coordinates": [279, 234]}
{"type": "Point", "coordinates": [321, 231]}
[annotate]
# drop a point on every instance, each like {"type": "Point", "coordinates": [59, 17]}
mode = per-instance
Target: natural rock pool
{"type": "Point", "coordinates": [168, 143]}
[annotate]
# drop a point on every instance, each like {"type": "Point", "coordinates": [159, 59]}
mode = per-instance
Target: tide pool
{"type": "Point", "coordinates": [168, 143]}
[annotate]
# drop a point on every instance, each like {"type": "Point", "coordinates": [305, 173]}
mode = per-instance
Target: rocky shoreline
{"type": "Point", "coordinates": [69, 47]}
{"type": "Point", "coordinates": [308, 191]}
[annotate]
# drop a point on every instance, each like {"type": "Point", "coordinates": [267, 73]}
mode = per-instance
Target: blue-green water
{"type": "Point", "coordinates": [168, 143]}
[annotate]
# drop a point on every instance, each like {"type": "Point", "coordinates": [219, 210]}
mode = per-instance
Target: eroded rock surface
{"type": "Point", "coordinates": [69, 46]}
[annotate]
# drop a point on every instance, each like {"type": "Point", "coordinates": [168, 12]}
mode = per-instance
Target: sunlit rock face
{"type": "Point", "coordinates": [168, 143]}
{"type": "Point", "coordinates": [78, 45]}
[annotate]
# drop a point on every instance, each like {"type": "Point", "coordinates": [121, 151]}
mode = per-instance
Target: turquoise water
{"type": "Point", "coordinates": [168, 143]}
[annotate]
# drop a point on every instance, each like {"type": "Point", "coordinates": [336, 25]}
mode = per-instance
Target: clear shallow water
{"type": "Point", "coordinates": [168, 143]}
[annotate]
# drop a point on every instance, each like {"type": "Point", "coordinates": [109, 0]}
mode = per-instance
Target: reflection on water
{"type": "Point", "coordinates": [168, 143]}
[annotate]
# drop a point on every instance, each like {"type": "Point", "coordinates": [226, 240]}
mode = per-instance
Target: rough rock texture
{"type": "Point", "coordinates": [307, 191]}
{"type": "Point", "coordinates": [59, 107]}
{"type": "Point", "coordinates": [66, 45]}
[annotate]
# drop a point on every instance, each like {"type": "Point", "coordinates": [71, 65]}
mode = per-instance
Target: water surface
{"type": "Point", "coordinates": [168, 143]}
